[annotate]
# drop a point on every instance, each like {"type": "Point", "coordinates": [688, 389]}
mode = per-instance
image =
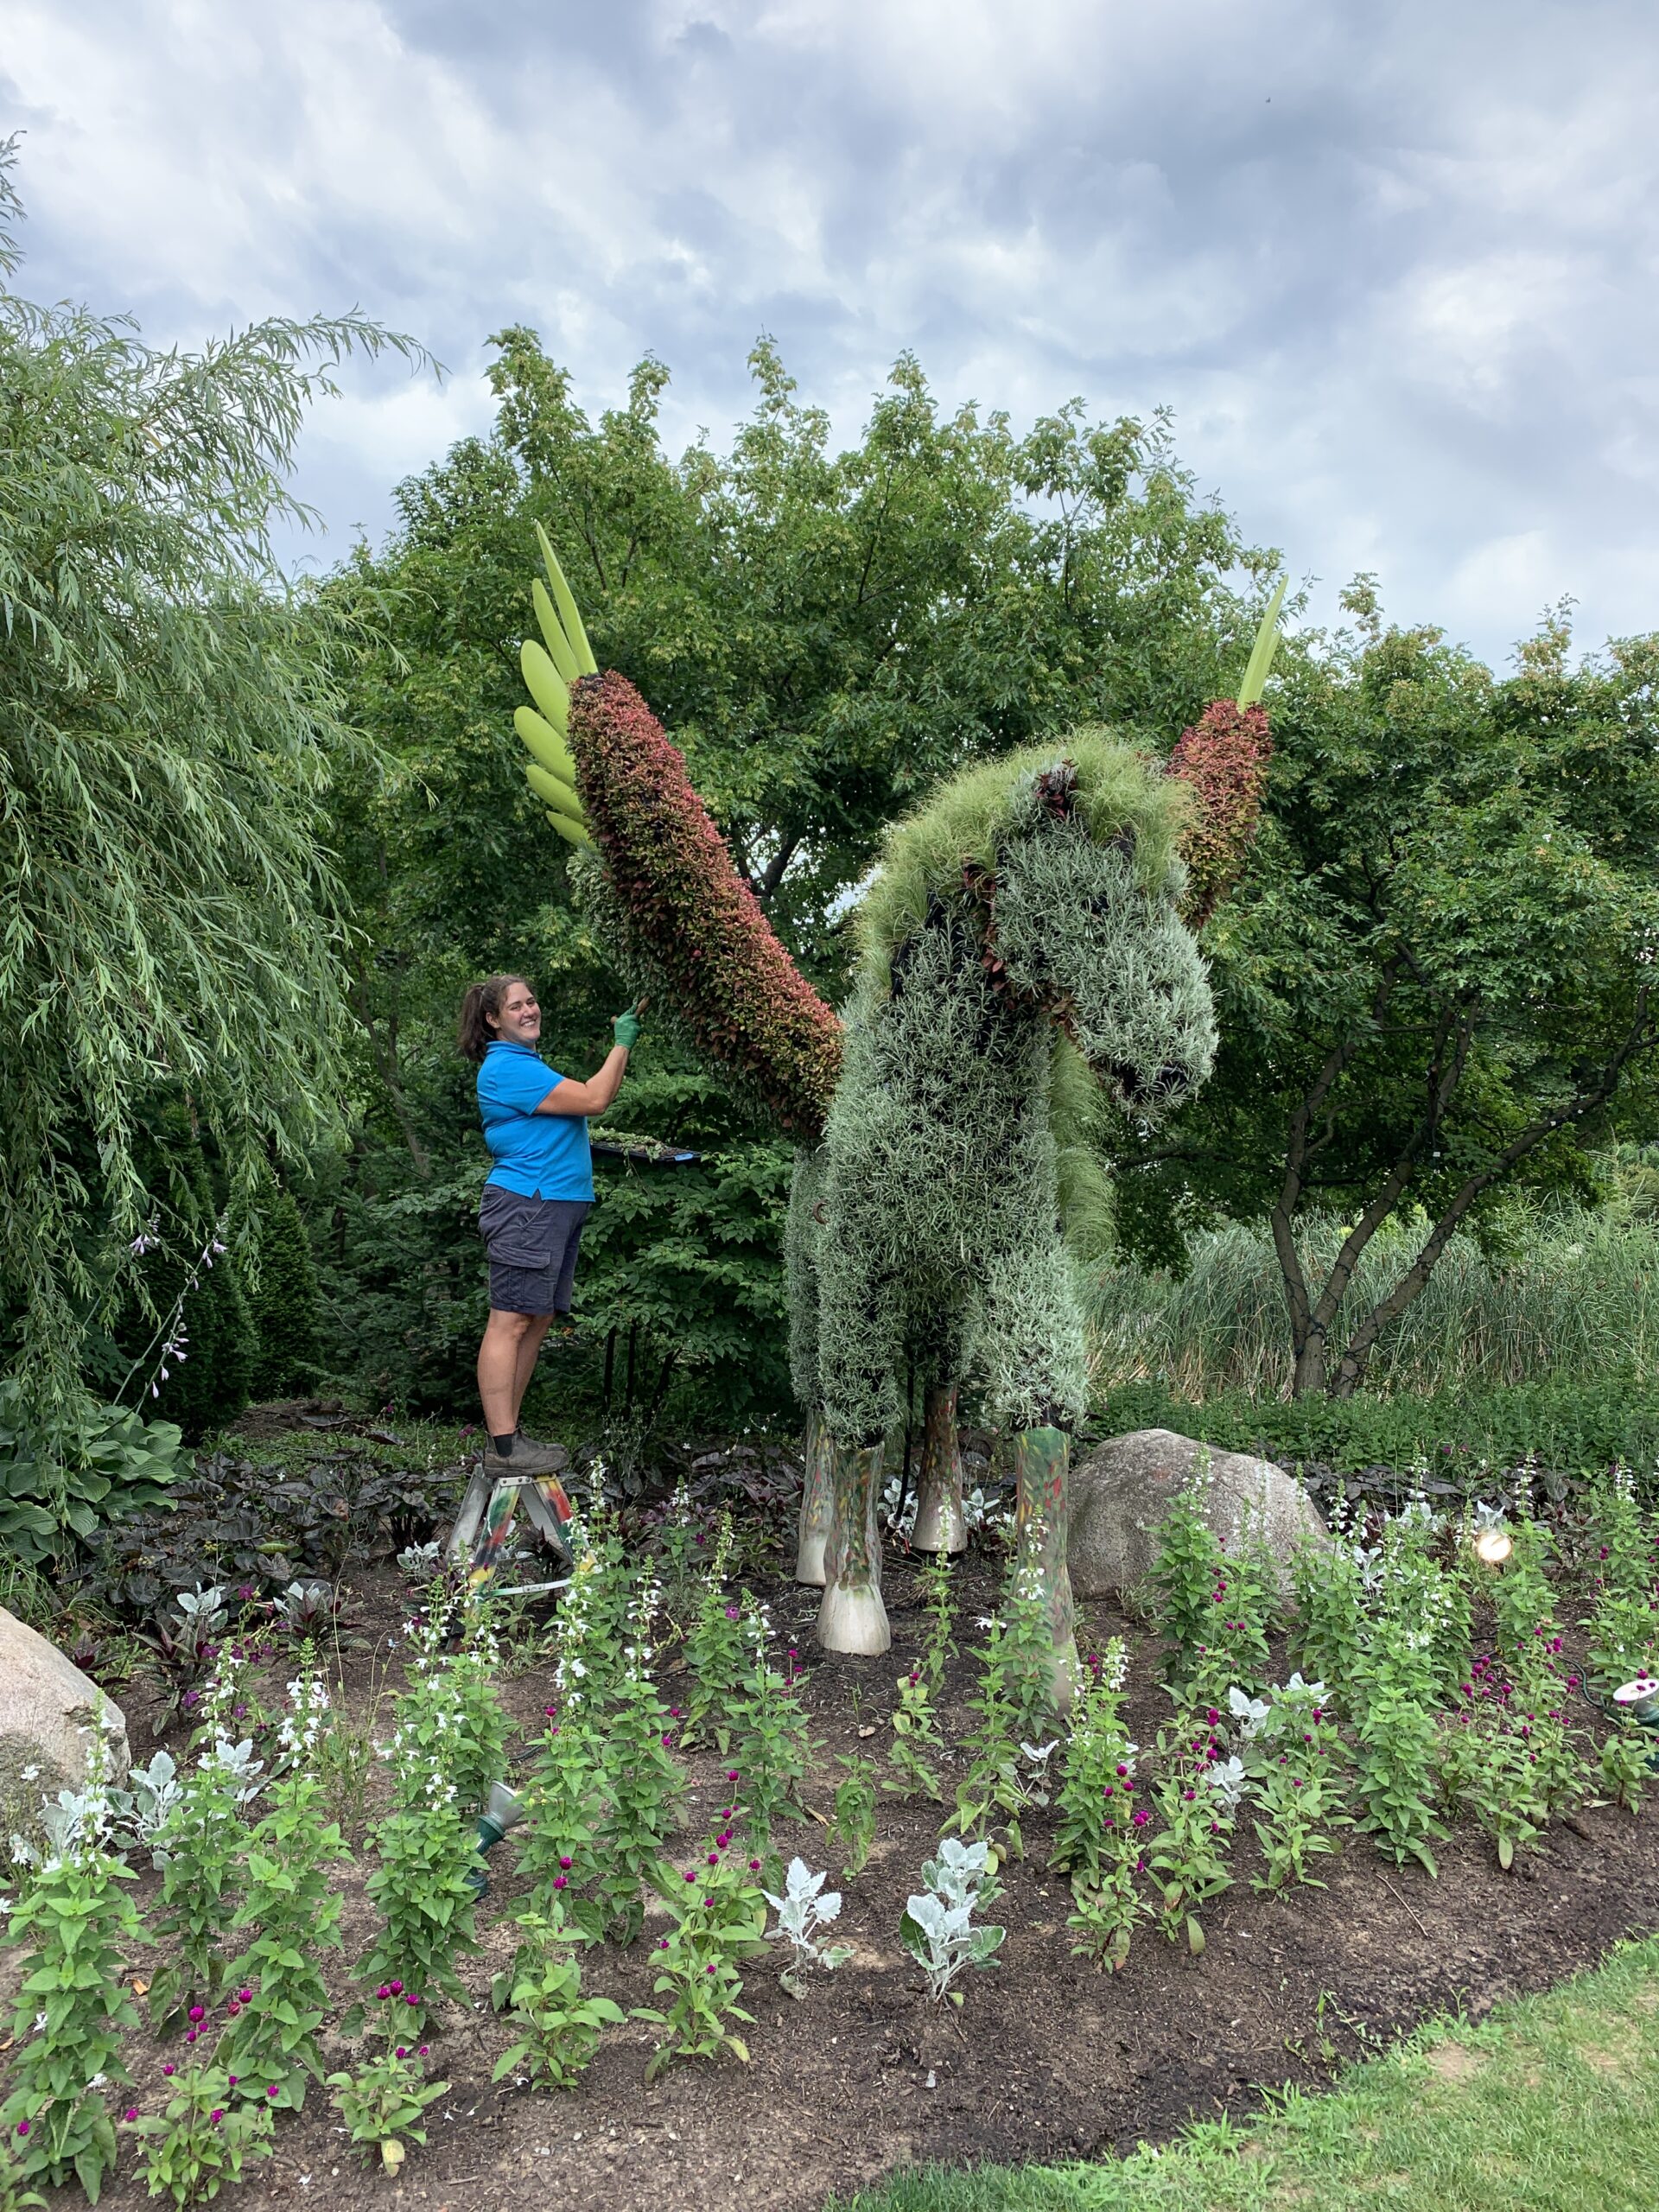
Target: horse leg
{"type": "Point", "coordinates": [818, 1503]}
{"type": "Point", "coordinates": [859, 1339]}
{"type": "Point", "coordinates": [802, 1227]}
{"type": "Point", "coordinates": [1042, 1526]}
{"type": "Point", "coordinates": [1035, 1354]}
{"type": "Point", "coordinates": [852, 1617]}
{"type": "Point", "coordinates": [941, 1524]}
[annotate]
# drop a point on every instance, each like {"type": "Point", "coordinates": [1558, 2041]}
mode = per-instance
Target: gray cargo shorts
{"type": "Point", "coordinates": [533, 1245]}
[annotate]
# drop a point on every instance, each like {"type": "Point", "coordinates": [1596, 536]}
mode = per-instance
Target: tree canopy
{"type": "Point", "coordinates": [1435, 985]}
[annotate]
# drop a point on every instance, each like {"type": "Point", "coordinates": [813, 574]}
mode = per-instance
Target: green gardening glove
{"type": "Point", "coordinates": [626, 1029]}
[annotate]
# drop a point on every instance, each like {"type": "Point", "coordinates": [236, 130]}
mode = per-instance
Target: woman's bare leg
{"type": "Point", "coordinates": [530, 1345]}
{"type": "Point", "coordinates": [499, 1360]}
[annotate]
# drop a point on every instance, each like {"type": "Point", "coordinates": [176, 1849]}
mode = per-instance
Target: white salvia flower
{"type": "Point", "coordinates": [1115, 1664]}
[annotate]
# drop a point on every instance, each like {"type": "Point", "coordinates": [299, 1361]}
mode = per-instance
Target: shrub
{"type": "Point", "coordinates": [1566, 1425]}
{"type": "Point", "coordinates": [288, 1348]}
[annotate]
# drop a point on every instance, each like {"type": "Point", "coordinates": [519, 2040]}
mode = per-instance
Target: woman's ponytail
{"type": "Point", "coordinates": [474, 1034]}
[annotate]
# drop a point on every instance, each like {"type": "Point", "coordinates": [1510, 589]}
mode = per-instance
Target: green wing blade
{"type": "Point", "coordinates": [565, 602]}
{"type": "Point", "coordinates": [543, 744]}
{"type": "Point", "coordinates": [558, 645]}
{"type": "Point", "coordinates": [547, 686]}
{"type": "Point", "coordinates": [551, 792]}
{"type": "Point", "coordinates": [572, 832]}
{"type": "Point", "coordinates": [1266, 641]}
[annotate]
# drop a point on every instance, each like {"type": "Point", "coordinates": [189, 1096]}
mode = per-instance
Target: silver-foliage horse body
{"type": "Point", "coordinates": [1027, 922]}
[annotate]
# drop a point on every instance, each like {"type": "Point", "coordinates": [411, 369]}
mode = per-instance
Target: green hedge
{"type": "Point", "coordinates": [1572, 1427]}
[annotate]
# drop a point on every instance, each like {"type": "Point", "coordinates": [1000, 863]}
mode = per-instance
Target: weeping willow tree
{"type": "Point", "coordinates": [170, 932]}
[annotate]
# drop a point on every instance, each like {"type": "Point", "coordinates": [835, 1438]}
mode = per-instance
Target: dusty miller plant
{"type": "Point", "coordinates": [937, 1928]}
{"type": "Point", "coordinates": [804, 1910]}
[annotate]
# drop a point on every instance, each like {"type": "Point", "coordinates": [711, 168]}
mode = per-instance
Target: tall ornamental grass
{"type": "Point", "coordinates": [1577, 1298]}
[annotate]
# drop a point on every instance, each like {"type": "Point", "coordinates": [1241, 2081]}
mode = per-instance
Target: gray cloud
{"type": "Point", "coordinates": [1392, 267]}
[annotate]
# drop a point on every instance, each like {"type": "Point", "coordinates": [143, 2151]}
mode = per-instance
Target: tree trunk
{"type": "Point", "coordinates": [852, 1617]}
{"type": "Point", "coordinates": [1308, 1374]}
{"type": "Point", "coordinates": [1042, 1527]}
{"type": "Point", "coordinates": [817, 1505]}
{"type": "Point", "coordinates": [941, 1524]}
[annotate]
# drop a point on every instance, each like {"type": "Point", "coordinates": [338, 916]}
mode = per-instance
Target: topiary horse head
{"type": "Point", "coordinates": [1024, 952]}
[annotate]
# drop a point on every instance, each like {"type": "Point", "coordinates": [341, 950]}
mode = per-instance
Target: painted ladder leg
{"type": "Point", "coordinates": [941, 1524]}
{"type": "Point", "coordinates": [852, 1617]}
{"type": "Point", "coordinates": [817, 1505]}
{"type": "Point", "coordinates": [1042, 1528]}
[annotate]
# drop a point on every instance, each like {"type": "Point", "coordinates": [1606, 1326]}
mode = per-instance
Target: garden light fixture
{"type": "Point", "coordinates": [502, 1810]}
{"type": "Point", "coordinates": [1493, 1542]}
{"type": "Point", "coordinates": [1639, 1701]}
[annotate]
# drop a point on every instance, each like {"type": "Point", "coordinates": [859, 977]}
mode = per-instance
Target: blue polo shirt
{"type": "Point", "coordinates": [539, 1155]}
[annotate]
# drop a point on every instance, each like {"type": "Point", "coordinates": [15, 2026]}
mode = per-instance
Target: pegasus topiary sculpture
{"type": "Point", "coordinates": [1028, 949]}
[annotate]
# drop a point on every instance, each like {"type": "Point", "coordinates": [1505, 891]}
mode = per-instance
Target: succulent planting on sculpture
{"type": "Point", "coordinates": [1028, 949]}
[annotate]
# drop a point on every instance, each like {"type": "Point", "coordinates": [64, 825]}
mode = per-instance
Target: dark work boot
{"type": "Point", "coordinates": [556, 1454]}
{"type": "Point", "coordinates": [526, 1458]}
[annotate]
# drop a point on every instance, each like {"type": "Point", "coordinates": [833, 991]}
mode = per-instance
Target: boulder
{"type": "Point", "coordinates": [1121, 1493]}
{"type": "Point", "coordinates": [48, 1709]}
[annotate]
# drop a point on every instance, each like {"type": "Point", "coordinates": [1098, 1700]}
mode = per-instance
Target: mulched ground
{"type": "Point", "coordinates": [1049, 2059]}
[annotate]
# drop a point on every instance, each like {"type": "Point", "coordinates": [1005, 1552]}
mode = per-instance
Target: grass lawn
{"type": "Point", "coordinates": [1550, 2104]}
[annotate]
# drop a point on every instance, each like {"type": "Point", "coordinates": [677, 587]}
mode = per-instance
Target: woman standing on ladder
{"type": "Point", "coordinates": [538, 1194]}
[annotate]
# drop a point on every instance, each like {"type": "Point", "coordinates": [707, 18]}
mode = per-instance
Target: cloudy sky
{"type": "Point", "coordinates": [1392, 264]}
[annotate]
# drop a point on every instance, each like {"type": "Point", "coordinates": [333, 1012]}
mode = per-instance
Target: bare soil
{"type": "Point", "coordinates": [1049, 2059]}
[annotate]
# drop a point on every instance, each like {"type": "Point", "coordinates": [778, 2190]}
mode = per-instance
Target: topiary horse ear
{"type": "Point", "coordinates": [1225, 758]}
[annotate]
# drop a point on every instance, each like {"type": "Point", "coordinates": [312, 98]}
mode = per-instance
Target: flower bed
{"type": "Point", "coordinates": [678, 1741]}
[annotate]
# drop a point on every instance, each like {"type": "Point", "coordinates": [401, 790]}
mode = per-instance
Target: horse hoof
{"type": "Point", "coordinates": [809, 1559]}
{"type": "Point", "coordinates": [853, 1619]}
{"type": "Point", "coordinates": [940, 1527]}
